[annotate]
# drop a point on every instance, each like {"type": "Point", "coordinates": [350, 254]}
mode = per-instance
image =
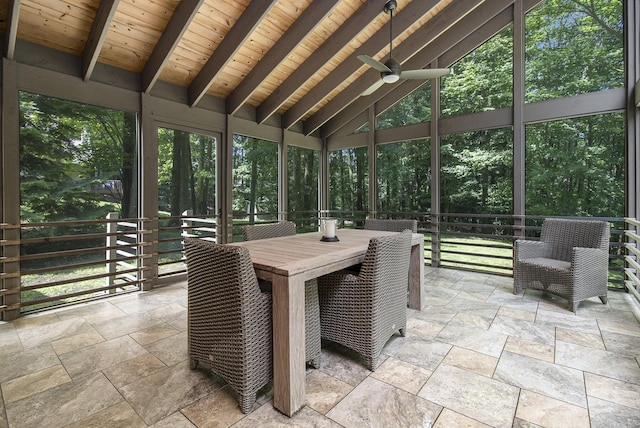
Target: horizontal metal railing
{"type": "Point", "coordinates": [46, 264]}
{"type": "Point", "coordinates": [632, 255]}
{"type": "Point", "coordinates": [56, 263]}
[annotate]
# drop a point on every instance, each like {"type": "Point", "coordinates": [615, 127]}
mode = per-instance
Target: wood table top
{"type": "Point", "coordinates": [290, 255]}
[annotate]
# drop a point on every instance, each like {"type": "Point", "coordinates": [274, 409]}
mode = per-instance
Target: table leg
{"type": "Point", "coordinates": [416, 276]}
{"type": "Point", "coordinates": [288, 344]}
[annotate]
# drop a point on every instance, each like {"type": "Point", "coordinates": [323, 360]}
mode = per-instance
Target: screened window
{"type": "Point", "coordinates": [412, 109]}
{"type": "Point", "coordinates": [78, 166]}
{"type": "Point", "coordinates": [303, 185]}
{"type": "Point", "coordinates": [186, 173]}
{"type": "Point", "coordinates": [404, 177]}
{"type": "Point", "coordinates": [482, 80]}
{"type": "Point", "coordinates": [77, 161]}
{"type": "Point", "coordinates": [255, 178]}
{"type": "Point", "coordinates": [575, 167]}
{"type": "Point", "coordinates": [348, 180]}
{"type": "Point", "coordinates": [573, 47]}
{"type": "Point", "coordinates": [186, 190]}
{"type": "Point", "coordinates": [477, 171]}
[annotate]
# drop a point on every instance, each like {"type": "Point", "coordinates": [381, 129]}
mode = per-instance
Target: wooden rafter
{"type": "Point", "coordinates": [417, 41]}
{"type": "Point", "coordinates": [182, 17]}
{"type": "Point", "coordinates": [234, 40]}
{"type": "Point", "coordinates": [12, 29]}
{"type": "Point", "coordinates": [291, 38]}
{"type": "Point", "coordinates": [97, 36]}
{"type": "Point", "coordinates": [405, 19]}
{"type": "Point", "coordinates": [363, 16]}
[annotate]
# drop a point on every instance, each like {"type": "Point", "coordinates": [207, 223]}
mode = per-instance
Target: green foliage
{"type": "Point", "coordinates": [186, 172]}
{"type": "Point", "coordinates": [576, 167]}
{"type": "Point", "coordinates": [476, 172]}
{"type": "Point", "coordinates": [68, 151]}
{"type": "Point", "coordinates": [255, 175]}
{"type": "Point", "coordinates": [573, 47]}
{"type": "Point", "coordinates": [348, 180]}
{"type": "Point", "coordinates": [482, 80]}
{"type": "Point", "coordinates": [414, 108]}
{"type": "Point", "coordinates": [303, 179]}
{"type": "Point", "coordinates": [404, 176]}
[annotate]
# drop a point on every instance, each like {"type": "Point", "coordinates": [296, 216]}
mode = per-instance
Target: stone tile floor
{"type": "Point", "coordinates": [475, 356]}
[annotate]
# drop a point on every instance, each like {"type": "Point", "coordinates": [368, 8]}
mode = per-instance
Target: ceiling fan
{"type": "Point", "coordinates": [390, 70]}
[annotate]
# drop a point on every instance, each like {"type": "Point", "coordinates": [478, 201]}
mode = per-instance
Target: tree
{"type": "Point", "coordinates": [186, 173]}
{"type": "Point", "coordinates": [182, 186]}
{"type": "Point", "coordinates": [414, 108]}
{"type": "Point", "coordinates": [255, 176]}
{"type": "Point", "coordinates": [348, 173]}
{"type": "Point", "coordinates": [303, 180]}
{"type": "Point", "coordinates": [477, 167]}
{"type": "Point", "coordinates": [575, 166]}
{"type": "Point", "coordinates": [573, 47]}
{"type": "Point", "coordinates": [75, 160]}
{"type": "Point", "coordinates": [404, 177]}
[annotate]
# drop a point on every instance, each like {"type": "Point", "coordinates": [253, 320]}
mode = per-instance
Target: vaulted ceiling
{"type": "Point", "coordinates": [296, 59]}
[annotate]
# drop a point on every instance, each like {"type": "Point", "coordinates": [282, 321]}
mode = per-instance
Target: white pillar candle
{"type": "Point", "coordinates": [330, 229]}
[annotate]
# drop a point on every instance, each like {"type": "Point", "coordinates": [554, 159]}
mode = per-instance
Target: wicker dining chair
{"type": "Point", "coordinates": [229, 318]}
{"type": "Point", "coordinates": [270, 230]}
{"type": "Point", "coordinates": [313, 341]}
{"type": "Point", "coordinates": [363, 311]}
{"type": "Point", "coordinates": [391, 225]}
{"type": "Point", "coordinates": [571, 260]}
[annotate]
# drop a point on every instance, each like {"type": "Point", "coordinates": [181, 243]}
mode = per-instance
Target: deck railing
{"type": "Point", "coordinates": [632, 255]}
{"type": "Point", "coordinates": [484, 242]}
{"type": "Point", "coordinates": [57, 263]}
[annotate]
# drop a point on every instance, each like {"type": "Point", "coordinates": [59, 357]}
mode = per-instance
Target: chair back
{"type": "Point", "coordinates": [221, 280]}
{"type": "Point", "coordinates": [565, 234]}
{"type": "Point", "coordinates": [264, 231]}
{"type": "Point", "coordinates": [391, 225]}
{"type": "Point", "coordinates": [386, 263]}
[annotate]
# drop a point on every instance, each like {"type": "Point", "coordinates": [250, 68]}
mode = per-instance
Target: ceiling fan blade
{"type": "Point", "coordinates": [428, 73]}
{"type": "Point", "coordinates": [372, 88]}
{"type": "Point", "coordinates": [373, 63]}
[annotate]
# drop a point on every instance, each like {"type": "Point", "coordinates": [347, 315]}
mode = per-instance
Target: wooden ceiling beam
{"type": "Point", "coordinates": [98, 33]}
{"type": "Point", "coordinates": [365, 14]}
{"type": "Point", "coordinates": [301, 27]}
{"type": "Point", "coordinates": [233, 41]}
{"type": "Point", "coordinates": [13, 14]}
{"type": "Point", "coordinates": [401, 22]}
{"type": "Point", "coordinates": [182, 16]}
{"type": "Point", "coordinates": [465, 22]}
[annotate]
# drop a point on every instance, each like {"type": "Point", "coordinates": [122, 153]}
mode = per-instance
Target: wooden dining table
{"type": "Point", "coordinates": [290, 261]}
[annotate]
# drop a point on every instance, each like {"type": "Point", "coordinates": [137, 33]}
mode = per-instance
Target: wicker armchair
{"type": "Point", "coordinates": [312, 309]}
{"type": "Point", "coordinates": [230, 323]}
{"type": "Point", "coordinates": [363, 311]}
{"type": "Point", "coordinates": [390, 225]}
{"type": "Point", "coordinates": [571, 260]}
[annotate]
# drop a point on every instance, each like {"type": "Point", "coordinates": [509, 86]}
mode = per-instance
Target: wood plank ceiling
{"type": "Point", "coordinates": [292, 58]}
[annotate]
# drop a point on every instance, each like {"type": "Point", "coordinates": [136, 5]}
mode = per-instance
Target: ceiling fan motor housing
{"type": "Point", "coordinates": [393, 75]}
